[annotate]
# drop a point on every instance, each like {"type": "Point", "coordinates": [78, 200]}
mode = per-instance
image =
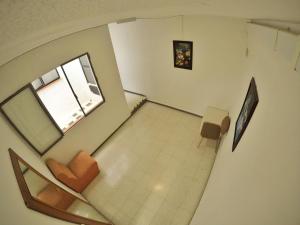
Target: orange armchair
{"type": "Point", "coordinates": [79, 172]}
{"type": "Point", "coordinates": [55, 197]}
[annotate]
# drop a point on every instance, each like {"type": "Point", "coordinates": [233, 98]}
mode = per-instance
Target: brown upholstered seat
{"type": "Point", "coordinates": [79, 172]}
{"type": "Point", "coordinates": [215, 123]}
{"type": "Point", "coordinates": [210, 130]}
{"type": "Point", "coordinates": [225, 125]}
{"type": "Point", "coordinates": [55, 197]}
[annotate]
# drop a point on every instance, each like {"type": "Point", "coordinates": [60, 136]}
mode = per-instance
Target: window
{"type": "Point", "coordinates": [45, 80]}
{"type": "Point", "coordinates": [74, 94]}
{"type": "Point", "coordinates": [24, 112]}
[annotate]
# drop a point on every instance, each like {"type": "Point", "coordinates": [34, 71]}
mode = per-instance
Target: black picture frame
{"type": "Point", "coordinates": [246, 113]}
{"type": "Point", "coordinates": [183, 54]}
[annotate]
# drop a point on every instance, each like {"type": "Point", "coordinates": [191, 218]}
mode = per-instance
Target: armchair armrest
{"type": "Point", "coordinates": [59, 169]}
{"type": "Point", "coordinates": [80, 171]}
{"type": "Point", "coordinates": [82, 163]}
{"type": "Point", "coordinates": [63, 174]}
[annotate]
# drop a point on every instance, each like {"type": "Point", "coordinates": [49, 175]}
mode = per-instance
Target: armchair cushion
{"type": "Point", "coordinates": [210, 130]}
{"type": "Point", "coordinates": [55, 197]}
{"type": "Point", "coordinates": [79, 173]}
{"type": "Point", "coordinates": [81, 163]}
{"type": "Point", "coordinates": [59, 169]}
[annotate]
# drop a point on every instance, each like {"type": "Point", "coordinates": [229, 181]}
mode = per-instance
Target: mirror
{"type": "Point", "coordinates": [46, 197]}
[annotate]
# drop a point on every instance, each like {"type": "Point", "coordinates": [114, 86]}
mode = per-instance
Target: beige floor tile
{"type": "Point", "coordinates": [130, 208]}
{"type": "Point", "coordinates": [143, 217]}
{"type": "Point", "coordinates": [182, 217]}
{"type": "Point", "coordinates": [152, 169]}
{"type": "Point", "coordinates": [154, 201]}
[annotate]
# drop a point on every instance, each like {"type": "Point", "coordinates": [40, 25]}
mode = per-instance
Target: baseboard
{"type": "Point", "coordinates": [139, 106]}
{"type": "Point", "coordinates": [171, 107]}
{"type": "Point", "coordinates": [110, 135]}
{"type": "Point", "coordinates": [142, 103]}
{"type": "Point", "coordinates": [132, 92]}
{"type": "Point", "coordinates": [146, 100]}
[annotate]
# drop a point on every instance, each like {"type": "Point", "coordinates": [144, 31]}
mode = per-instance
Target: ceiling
{"type": "Point", "coordinates": [22, 20]}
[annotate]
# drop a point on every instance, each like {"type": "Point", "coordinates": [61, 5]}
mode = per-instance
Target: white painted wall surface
{"type": "Point", "coordinates": [12, 208]}
{"type": "Point", "coordinates": [259, 182]}
{"type": "Point", "coordinates": [105, 119]}
{"type": "Point", "coordinates": [87, 134]}
{"type": "Point", "coordinates": [144, 53]}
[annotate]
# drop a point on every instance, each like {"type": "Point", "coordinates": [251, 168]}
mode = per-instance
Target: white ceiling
{"type": "Point", "coordinates": [22, 20]}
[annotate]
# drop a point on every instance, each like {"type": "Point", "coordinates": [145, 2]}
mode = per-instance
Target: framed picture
{"type": "Point", "coordinates": [246, 113]}
{"type": "Point", "coordinates": [183, 54]}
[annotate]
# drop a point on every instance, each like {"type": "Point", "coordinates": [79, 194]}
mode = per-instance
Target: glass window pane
{"type": "Point", "coordinates": [49, 77]}
{"type": "Point", "coordinates": [59, 100]}
{"type": "Point", "coordinates": [83, 82]}
{"type": "Point", "coordinates": [37, 84]}
{"type": "Point", "coordinates": [87, 69]}
{"type": "Point", "coordinates": [28, 116]}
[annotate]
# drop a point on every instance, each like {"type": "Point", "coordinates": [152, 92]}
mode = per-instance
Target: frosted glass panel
{"type": "Point", "coordinates": [25, 112]}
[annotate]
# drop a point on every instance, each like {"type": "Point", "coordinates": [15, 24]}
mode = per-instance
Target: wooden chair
{"type": "Point", "coordinates": [215, 123]}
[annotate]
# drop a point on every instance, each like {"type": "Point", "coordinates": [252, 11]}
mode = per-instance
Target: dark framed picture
{"type": "Point", "coordinates": [246, 113]}
{"type": "Point", "coordinates": [183, 54]}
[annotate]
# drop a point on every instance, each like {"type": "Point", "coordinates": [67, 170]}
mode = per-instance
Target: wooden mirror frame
{"type": "Point", "coordinates": [35, 204]}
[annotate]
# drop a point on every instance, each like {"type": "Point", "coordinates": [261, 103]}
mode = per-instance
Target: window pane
{"type": "Point", "coordinates": [87, 69]}
{"type": "Point", "coordinates": [37, 84]}
{"type": "Point", "coordinates": [49, 77]}
{"type": "Point", "coordinates": [28, 116]}
{"type": "Point", "coordinates": [60, 102]}
{"type": "Point", "coordinates": [83, 82]}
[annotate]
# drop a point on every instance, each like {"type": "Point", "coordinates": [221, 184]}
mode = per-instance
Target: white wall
{"type": "Point", "coordinates": [12, 208]}
{"type": "Point", "coordinates": [293, 27]}
{"type": "Point", "coordinates": [87, 134]}
{"type": "Point", "coordinates": [259, 182]}
{"type": "Point", "coordinates": [99, 124]}
{"type": "Point", "coordinates": [144, 53]}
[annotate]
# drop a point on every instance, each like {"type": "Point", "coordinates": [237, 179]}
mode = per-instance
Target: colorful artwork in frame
{"type": "Point", "coordinates": [183, 54]}
{"type": "Point", "coordinates": [246, 113]}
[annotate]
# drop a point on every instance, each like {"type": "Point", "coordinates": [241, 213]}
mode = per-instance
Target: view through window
{"type": "Point", "coordinates": [69, 92]}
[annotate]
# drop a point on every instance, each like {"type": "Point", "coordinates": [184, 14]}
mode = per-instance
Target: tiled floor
{"type": "Point", "coordinates": [81, 209]}
{"type": "Point", "coordinates": [152, 172]}
{"type": "Point", "coordinates": [133, 100]}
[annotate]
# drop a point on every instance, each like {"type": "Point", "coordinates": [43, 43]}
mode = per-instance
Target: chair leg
{"type": "Point", "coordinates": [200, 142]}
{"type": "Point", "coordinates": [218, 144]}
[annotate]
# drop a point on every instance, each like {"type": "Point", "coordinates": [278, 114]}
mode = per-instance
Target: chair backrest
{"type": "Point", "coordinates": [55, 197]}
{"type": "Point", "coordinates": [81, 162]}
{"type": "Point", "coordinates": [210, 130]}
{"type": "Point", "coordinates": [58, 169]}
{"type": "Point", "coordinates": [225, 125]}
